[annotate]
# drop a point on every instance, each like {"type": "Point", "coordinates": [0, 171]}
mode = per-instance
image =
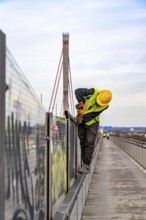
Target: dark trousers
{"type": "Point", "coordinates": [87, 136]}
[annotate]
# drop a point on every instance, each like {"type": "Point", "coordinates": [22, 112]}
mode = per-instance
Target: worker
{"type": "Point", "coordinates": [91, 102]}
{"type": "Point", "coordinates": [107, 136]}
{"type": "Point", "coordinates": [104, 135]}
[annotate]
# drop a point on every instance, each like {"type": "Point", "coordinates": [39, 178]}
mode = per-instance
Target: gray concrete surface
{"type": "Point", "coordinates": [118, 187]}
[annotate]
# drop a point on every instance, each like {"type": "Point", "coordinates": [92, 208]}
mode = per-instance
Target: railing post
{"type": "Point", "coordinates": [69, 118]}
{"type": "Point", "coordinates": [2, 123]}
{"type": "Point", "coordinates": [49, 165]}
{"type": "Point", "coordinates": [68, 152]}
{"type": "Point", "coordinates": [76, 150]}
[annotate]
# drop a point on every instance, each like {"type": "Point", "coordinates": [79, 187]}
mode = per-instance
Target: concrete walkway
{"type": "Point", "coordinates": [118, 187]}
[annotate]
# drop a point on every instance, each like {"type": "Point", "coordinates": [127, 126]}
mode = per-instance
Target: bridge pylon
{"type": "Point", "coordinates": [65, 70]}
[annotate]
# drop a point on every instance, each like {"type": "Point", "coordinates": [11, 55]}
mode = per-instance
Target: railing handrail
{"type": "Point", "coordinates": [136, 142]}
{"type": "Point", "coordinates": [68, 115]}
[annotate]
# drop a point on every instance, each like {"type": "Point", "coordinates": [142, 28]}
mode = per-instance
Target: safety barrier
{"type": "Point", "coordinates": [64, 158]}
{"type": "Point", "coordinates": [135, 149]}
{"type": "Point", "coordinates": [25, 147]}
{"type": "Point", "coordinates": [73, 204]}
{"type": "Point", "coordinates": [39, 153]}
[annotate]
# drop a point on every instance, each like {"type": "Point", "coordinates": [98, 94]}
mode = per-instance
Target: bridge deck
{"type": "Point", "coordinates": [118, 187]}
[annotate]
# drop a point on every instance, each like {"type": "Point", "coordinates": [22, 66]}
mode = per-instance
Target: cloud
{"type": "Point", "coordinates": [107, 47]}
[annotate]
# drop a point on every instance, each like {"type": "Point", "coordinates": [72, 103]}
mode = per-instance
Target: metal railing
{"type": "Point", "coordinates": [25, 147]}
{"type": "Point", "coordinates": [39, 153]}
{"type": "Point", "coordinates": [136, 142]}
{"type": "Point", "coordinates": [135, 149]}
{"type": "Point", "coordinates": [63, 158]}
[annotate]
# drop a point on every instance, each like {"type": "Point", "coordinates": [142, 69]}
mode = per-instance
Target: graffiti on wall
{"type": "Point", "coordinates": [25, 148]}
{"type": "Point", "coordinates": [25, 171]}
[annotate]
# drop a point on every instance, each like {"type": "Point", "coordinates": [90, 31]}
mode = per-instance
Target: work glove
{"type": "Point", "coordinates": [80, 105]}
{"type": "Point", "coordinates": [79, 119]}
{"type": "Point", "coordinates": [80, 112]}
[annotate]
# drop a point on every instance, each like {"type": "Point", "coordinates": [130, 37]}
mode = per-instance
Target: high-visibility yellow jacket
{"type": "Point", "coordinates": [91, 106]}
{"type": "Point", "coordinates": [91, 111]}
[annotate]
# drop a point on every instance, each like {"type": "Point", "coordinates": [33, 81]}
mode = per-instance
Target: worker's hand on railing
{"type": "Point", "coordinates": [80, 112]}
{"type": "Point", "coordinates": [79, 118]}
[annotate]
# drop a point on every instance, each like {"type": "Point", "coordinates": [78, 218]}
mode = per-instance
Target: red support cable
{"type": "Point", "coordinates": [57, 89]}
{"type": "Point", "coordinates": [61, 109]}
{"type": "Point", "coordinates": [55, 80]}
{"type": "Point", "coordinates": [71, 89]}
{"type": "Point", "coordinates": [70, 102]}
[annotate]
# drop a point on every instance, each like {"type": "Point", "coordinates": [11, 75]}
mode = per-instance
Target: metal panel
{"type": "Point", "coordinates": [72, 150]}
{"type": "Point", "coordinates": [2, 122]}
{"type": "Point", "coordinates": [25, 159]}
{"type": "Point", "coordinates": [49, 165]}
{"type": "Point", "coordinates": [68, 153]}
{"type": "Point", "coordinates": [59, 172]}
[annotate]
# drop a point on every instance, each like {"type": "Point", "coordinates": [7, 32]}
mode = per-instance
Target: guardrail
{"type": "Point", "coordinates": [73, 204]}
{"type": "Point", "coordinates": [135, 149]}
{"type": "Point", "coordinates": [64, 158]}
{"type": "Point", "coordinates": [39, 153]}
{"type": "Point", "coordinates": [136, 142]}
{"type": "Point", "coordinates": [25, 157]}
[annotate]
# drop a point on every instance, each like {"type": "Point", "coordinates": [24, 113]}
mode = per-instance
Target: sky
{"type": "Point", "coordinates": [107, 49]}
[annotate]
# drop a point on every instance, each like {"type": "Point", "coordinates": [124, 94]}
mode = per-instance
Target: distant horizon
{"type": "Point", "coordinates": [128, 126]}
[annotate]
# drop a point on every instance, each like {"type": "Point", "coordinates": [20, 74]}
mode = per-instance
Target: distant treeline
{"type": "Point", "coordinates": [129, 129]}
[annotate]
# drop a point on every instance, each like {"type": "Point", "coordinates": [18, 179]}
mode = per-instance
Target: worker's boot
{"type": "Point", "coordinates": [85, 169]}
